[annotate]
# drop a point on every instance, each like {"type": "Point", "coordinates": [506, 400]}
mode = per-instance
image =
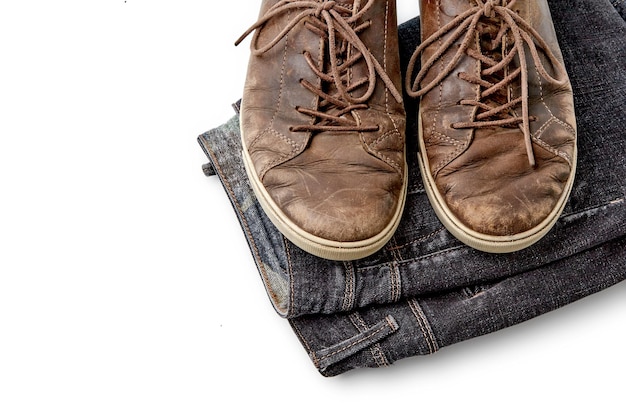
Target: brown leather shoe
{"type": "Point", "coordinates": [322, 123]}
{"type": "Point", "coordinates": [497, 132]}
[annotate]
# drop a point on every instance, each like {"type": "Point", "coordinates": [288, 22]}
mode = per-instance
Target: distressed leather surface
{"type": "Point", "coordinates": [484, 174]}
{"type": "Point", "coordinates": [341, 186]}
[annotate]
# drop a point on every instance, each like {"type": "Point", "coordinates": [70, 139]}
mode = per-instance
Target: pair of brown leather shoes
{"type": "Point", "coordinates": [323, 123]}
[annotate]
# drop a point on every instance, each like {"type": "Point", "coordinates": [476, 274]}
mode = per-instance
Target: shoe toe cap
{"type": "Point", "coordinates": [342, 196]}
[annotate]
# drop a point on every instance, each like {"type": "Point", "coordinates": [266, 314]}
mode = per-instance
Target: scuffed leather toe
{"type": "Point", "coordinates": [502, 195]}
{"type": "Point", "coordinates": [327, 194]}
{"type": "Point", "coordinates": [497, 132]}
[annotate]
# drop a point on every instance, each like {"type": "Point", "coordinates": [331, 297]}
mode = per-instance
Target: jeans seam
{"type": "Point", "coordinates": [376, 350]}
{"type": "Point", "coordinates": [244, 222]}
{"type": "Point", "coordinates": [395, 283]}
{"type": "Point", "coordinates": [596, 207]}
{"type": "Point", "coordinates": [291, 280]}
{"type": "Point", "coordinates": [396, 278]}
{"type": "Point", "coordinates": [417, 240]}
{"type": "Point", "coordinates": [351, 345]}
{"type": "Point", "coordinates": [388, 324]}
{"type": "Point", "coordinates": [416, 309]}
{"type": "Point", "coordinates": [421, 258]}
{"type": "Point", "coordinates": [307, 347]}
{"type": "Point", "coordinates": [350, 287]}
{"type": "Point", "coordinates": [455, 248]}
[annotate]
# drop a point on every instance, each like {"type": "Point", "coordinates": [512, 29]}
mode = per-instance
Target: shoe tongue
{"type": "Point", "coordinates": [355, 78]}
{"type": "Point", "coordinates": [488, 29]}
{"type": "Point", "coordinates": [344, 51]}
{"type": "Point", "coordinates": [354, 5]}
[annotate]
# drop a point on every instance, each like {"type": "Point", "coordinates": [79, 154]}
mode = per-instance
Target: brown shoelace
{"type": "Point", "coordinates": [512, 28]}
{"type": "Point", "coordinates": [339, 26]}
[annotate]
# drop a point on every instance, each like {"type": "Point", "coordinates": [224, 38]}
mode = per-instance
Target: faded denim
{"type": "Point", "coordinates": [425, 290]}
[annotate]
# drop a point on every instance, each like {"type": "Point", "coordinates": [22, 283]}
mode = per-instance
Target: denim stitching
{"type": "Point", "coordinates": [305, 323]}
{"type": "Point", "coordinates": [428, 327]}
{"type": "Point", "coordinates": [356, 342]}
{"type": "Point", "coordinates": [388, 326]}
{"type": "Point", "coordinates": [423, 323]}
{"type": "Point", "coordinates": [415, 260]}
{"type": "Point", "coordinates": [244, 222]}
{"type": "Point", "coordinates": [419, 323]}
{"type": "Point", "coordinates": [455, 248]}
{"type": "Point", "coordinates": [396, 278]}
{"type": "Point", "coordinates": [395, 282]}
{"type": "Point", "coordinates": [392, 246]}
{"type": "Point", "coordinates": [593, 208]}
{"type": "Point", "coordinates": [311, 352]}
{"type": "Point", "coordinates": [291, 280]}
{"type": "Point", "coordinates": [375, 350]}
{"type": "Point", "coordinates": [418, 240]}
{"type": "Point", "coordinates": [349, 291]}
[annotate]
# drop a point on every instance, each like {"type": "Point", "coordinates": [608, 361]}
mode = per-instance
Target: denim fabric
{"type": "Point", "coordinates": [425, 290]}
{"type": "Point", "coordinates": [620, 6]}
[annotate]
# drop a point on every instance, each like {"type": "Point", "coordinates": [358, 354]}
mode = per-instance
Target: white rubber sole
{"type": "Point", "coordinates": [480, 241]}
{"type": "Point", "coordinates": [323, 248]}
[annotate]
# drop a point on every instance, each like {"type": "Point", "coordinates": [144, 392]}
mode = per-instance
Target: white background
{"type": "Point", "coordinates": [126, 285]}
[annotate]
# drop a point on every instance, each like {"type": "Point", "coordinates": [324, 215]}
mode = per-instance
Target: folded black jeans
{"type": "Point", "coordinates": [425, 290]}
